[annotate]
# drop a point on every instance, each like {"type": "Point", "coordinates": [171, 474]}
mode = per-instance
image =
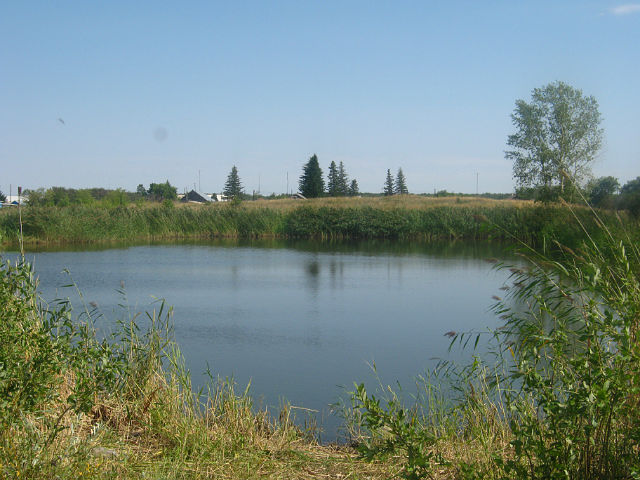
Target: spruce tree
{"type": "Point", "coordinates": [333, 181]}
{"type": "Point", "coordinates": [311, 182]}
{"type": "Point", "coordinates": [343, 181]}
{"type": "Point", "coordinates": [388, 184]}
{"type": "Point", "coordinates": [233, 187]}
{"type": "Point", "coordinates": [401, 183]}
{"type": "Point", "coordinates": [353, 189]}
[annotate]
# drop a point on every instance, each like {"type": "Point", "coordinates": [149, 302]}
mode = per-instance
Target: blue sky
{"type": "Point", "coordinates": [150, 91]}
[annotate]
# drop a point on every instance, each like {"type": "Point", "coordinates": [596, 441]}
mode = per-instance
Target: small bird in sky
{"type": "Point", "coordinates": [61, 121]}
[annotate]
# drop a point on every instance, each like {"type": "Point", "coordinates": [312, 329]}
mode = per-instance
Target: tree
{"type": "Point", "coordinates": [601, 191]}
{"type": "Point", "coordinates": [401, 183]}
{"type": "Point", "coordinates": [141, 191]}
{"type": "Point", "coordinates": [388, 184]}
{"type": "Point", "coordinates": [333, 181]}
{"type": "Point", "coordinates": [557, 137]}
{"type": "Point", "coordinates": [353, 188]}
{"type": "Point", "coordinates": [630, 196]}
{"type": "Point", "coordinates": [163, 191]}
{"type": "Point", "coordinates": [233, 187]}
{"type": "Point", "coordinates": [311, 183]}
{"type": "Point", "coordinates": [3, 197]}
{"type": "Point", "coordinates": [343, 180]}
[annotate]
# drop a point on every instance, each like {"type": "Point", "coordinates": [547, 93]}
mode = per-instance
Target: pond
{"type": "Point", "coordinates": [300, 320]}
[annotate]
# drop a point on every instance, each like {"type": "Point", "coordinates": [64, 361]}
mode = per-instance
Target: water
{"type": "Point", "coordinates": [299, 320]}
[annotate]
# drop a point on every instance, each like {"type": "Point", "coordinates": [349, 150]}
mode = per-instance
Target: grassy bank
{"type": "Point", "coordinates": [395, 217]}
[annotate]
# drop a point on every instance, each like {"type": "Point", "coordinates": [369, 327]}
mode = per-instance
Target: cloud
{"type": "Point", "coordinates": [626, 9]}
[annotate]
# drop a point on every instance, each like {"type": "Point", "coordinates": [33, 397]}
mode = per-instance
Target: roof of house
{"type": "Point", "coordinates": [195, 196]}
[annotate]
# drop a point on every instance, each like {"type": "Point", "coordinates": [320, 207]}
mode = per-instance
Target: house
{"type": "Point", "coordinates": [15, 200]}
{"type": "Point", "coordinates": [217, 197]}
{"type": "Point", "coordinates": [196, 197]}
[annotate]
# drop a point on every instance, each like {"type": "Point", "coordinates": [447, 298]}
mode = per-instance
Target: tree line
{"type": "Point", "coordinates": [312, 184]}
{"type": "Point", "coordinates": [557, 137]}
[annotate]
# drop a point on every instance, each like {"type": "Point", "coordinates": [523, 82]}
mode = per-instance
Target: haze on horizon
{"type": "Point", "coordinates": [122, 93]}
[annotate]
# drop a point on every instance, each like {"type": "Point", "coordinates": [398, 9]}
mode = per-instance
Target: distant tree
{"type": "Point", "coordinates": [557, 138]}
{"type": "Point", "coordinates": [119, 197]}
{"type": "Point", "coordinates": [162, 191]}
{"type": "Point", "coordinates": [3, 197]}
{"type": "Point", "coordinates": [82, 197]}
{"type": "Point", "coordinates": [233, 186]}
{"type": "Point", "coordinates": [630, 196]}
{"type": "Point", "coordinates": [343, 181]}
{"type": "Point", "coordinates": [58, 196]}
{"type": "Point", "coordinates": [35, 198]}
{"type": "Point", "coordinates": [389, 186]}
{"type": "Point", "coordinates": [141, 191]}
{"type": "Point", "coordinates": [333, 180]}
{"type": "Point", "coordinates": [601, 191]}
{"type": "Point", "coordinates": [353, 188]}
{"type": "Point", "coordinates": [311, 183]}
{"type": "Point", "coordinates": [400, 186]}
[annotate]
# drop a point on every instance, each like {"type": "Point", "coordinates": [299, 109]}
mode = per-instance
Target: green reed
{"type": "Point", "coordinates": [97, 223]}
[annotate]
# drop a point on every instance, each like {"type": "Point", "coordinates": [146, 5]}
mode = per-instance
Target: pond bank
{"type": "Point", "coordinates": [481, 220]}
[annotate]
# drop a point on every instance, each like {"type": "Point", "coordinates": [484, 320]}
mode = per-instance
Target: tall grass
{"type": "Point", "coordinates": [404, 217]}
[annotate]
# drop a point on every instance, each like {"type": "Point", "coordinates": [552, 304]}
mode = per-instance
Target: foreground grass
{"type": "Point", "coordinates": [404, 217]}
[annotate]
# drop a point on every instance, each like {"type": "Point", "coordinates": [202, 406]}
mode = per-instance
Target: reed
{"type": "Point", "coordinates": [405, 217]}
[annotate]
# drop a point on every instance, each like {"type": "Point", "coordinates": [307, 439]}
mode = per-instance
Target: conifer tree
{"type": "Point", "coordinates": [353, 188]}
{"type": "Point", "coordinates": [343, 181]}
{"type": "Point", "coordinates": [388, 184]}
{"type": "Point", "coordinates": [311, 182]}
{"type": "Point", "coordinates": [333, 180]}
{"type": "Point", "coordinates": [401, 183]}
{"type": "Point", "coordinates": [233, 187]}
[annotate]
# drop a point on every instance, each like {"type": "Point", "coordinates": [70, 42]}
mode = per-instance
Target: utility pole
{"type": "Point", "coordinates": [476, 183]}
{"type": "Point", "coordinates": [199, 186]}
{"type": "Point", "coordinates": [287, 183]}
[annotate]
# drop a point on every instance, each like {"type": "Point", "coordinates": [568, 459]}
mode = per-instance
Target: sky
{"type": "Point", "coordinates": [120, 93]}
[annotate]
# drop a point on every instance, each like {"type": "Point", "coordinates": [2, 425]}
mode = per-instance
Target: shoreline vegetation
{"type": "Point", "coordinates": [558, 399]}
{"type": "Point", "coordinates": [397, 217]}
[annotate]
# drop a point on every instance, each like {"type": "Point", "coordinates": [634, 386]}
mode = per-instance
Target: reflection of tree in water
{"type": "Point", "coordinates": [312, 269]}
{"type": "Point", "coordinates": [336, 270]}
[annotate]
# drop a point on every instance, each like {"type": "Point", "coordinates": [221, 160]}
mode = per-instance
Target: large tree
{"type": "Point", "coordinates": [311, 182]}
{"type": "Point", "coordinates": [401, 183]}
{"type": "Point", "coordinates": [233, 186]}
{"type": "Point", "coordinates": [557, 137]}
{"type": "Point", "coordinates": [389, 187]}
